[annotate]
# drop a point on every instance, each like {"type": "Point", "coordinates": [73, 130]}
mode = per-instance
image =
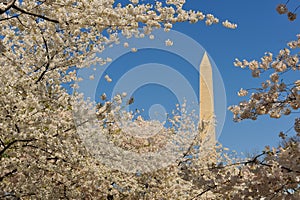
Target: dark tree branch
{"type": "Point", "coordinates": [12, 143]}
{"type": "Point", "coordinates": [48, 60]}
{"type": "Point", "coordinates": [17, 128]}
{"type": "Point", "coordinates": [8, 174]}
{"type": "Point", "coordinates": [9, 5]}
{"type": "Point", "coordinates": [21, 22]}
{"type": "Point", "coordinates": [43, 73]}
{"type": "Point", "coordinates": [255, 161]}
{"type": "Point", "coordinates": [8, 18]}
{"type": "Point", "coordinates": [208, 189]}
{"type": "Point", "coordinates": [2, 143]}
{"type": "Point", "coordinates": [188, 151]}
{"type": "Point", "coordinates": [35, 15]}
{"type": "Point", "coordinates": [202, 193]}
{"type": "Point", "coordinates": [47, 152]}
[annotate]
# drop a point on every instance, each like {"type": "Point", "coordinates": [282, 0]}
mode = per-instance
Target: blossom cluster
{"type": "Point", "coordinates": [282, 9]}
{"type": "Point", "coordinates": [228, 24]}
{"type": "Point", "coordinates": [275, 97]}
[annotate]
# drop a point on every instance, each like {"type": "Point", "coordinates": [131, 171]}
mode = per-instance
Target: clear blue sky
{"type": "Point", "coordinates": [260, 29]}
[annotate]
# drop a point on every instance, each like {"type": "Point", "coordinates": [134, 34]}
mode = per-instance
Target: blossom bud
{"type": "Point", "coordinates": [274, 77]}
{"type": "Point", "coordinates": [103, 96]}
{"type": "Point", "coordinates": [107, 78]}
{"type": "Point", "coordinates": [292, 16]}
{"type": "Point", "coordinates": [287, 111]}
{"type": "Point", "coordinates": [255, 73]}
{"type": "Point", "coordinates": [242, 92]}
{"type": "Point", "coordinates": [281, 9]}
{"type": "Point", "coordinates": [275, 114]}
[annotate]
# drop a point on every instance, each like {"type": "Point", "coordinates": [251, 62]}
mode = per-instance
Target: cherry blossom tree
{"type": "Point", "coordinates": [42, 45]}
{"type": "Point", "coordinates": [276, 175]}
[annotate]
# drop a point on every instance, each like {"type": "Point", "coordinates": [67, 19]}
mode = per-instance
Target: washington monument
{"type": "Point", "coordinates": [207, 133]}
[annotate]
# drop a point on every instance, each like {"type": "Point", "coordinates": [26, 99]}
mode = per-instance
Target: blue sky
{"type": "Point", "coordinates": [260, 29]}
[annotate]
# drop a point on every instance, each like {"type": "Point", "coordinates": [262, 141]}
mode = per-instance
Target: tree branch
{"type": "Point", "coordinates": [8, 174]}
{"type": "Point", "coordinates": [207, 190]}
{"type": "Point", "coordinates": [48, 60]}
{"type": "Point", "coordinates": [9, 5]}
{"type": "Point", "coordinates": [35, 15]}
{"type": "Point", "coordinates": [12, 143]}
{"type": "Point", "coordinates": [8, 18]}
{"type": "Point", "coordinates": [49, 153]}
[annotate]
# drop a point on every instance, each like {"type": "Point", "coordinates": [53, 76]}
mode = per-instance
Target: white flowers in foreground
{"type": "Point", "coordinates": [41, 153]}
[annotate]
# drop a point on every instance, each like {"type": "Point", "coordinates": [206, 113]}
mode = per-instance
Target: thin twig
{"type": "Point", "coordinates": [48, 60]}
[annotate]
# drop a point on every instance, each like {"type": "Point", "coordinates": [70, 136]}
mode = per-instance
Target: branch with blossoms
{"type": "Point", "coordinates": [209, 188]}
{"type": "Point", "coordinates": [8, 174]}
{"type": "Point", "coordinates": [72, 46]}
{"type": "Point", "coordinates": [275, 97]}
{"type": "Point", "coordinates": [256, 161]}
{"type": "Point", "coordinates": [10, 144]}
{"type": "Point", "coordinates": [34, 14]}
{"type": "Point", "coordinates": [6, 6]}
{"type": "Point", "coordinates": [251, 173]}
{"type": "Point", "coordinates": [48, 60]}
{"type": "Point", "coordinates": [282, 9]}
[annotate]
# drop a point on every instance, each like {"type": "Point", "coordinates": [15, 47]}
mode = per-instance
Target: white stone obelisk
{"type": "Point", "coordinates": [207, 114]}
